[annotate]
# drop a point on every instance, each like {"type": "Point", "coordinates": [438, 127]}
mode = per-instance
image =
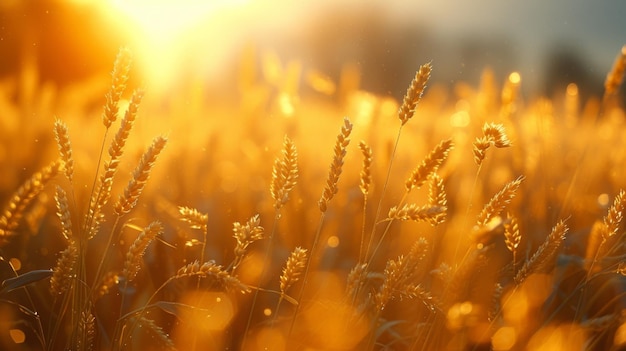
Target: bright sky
{"type": "Point", "coordinates": [205, 32]}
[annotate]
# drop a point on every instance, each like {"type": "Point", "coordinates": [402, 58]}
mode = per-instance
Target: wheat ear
{"type": "Point", "coordinates": [284, 174]}
{"type": "Point", "coordinates": [63, 212]}
{"type": "Point", "coordinates": [615, 77]}
{"type": "Point", "coordinates": [493, 134]}
{"type": "Point", "coordinates": [211, 270]}
{"type": "Point", "coordinates": [293, 269]}
{"type": "Point", "coordinates": [135, 186]}
{"type": "Point", "coordinates": [437, 197]}
{"type": "Point", "coordinates": [366, 176]}
{"type": "Point", "coordinates": [615, 215]}
{"type": "Point", "coordinates": [119, 78]}
{"type": "Point", "coordinates": [167, 343]}
{"type": "Point", "coordinates": [429, 165]}
{"type": "Point", "coordinates": [64, 270]}
{"type": "Point", "coordinates": [195, 218]}
{"type": "Point", "coordinates": [116, 150]}
{"type": "Point", "coordinates": [61, 135]}
{"type": "Point", "coordinates": [137, 249]}
{"type": "Point", "coordinates": [246, 234]}
{"type": "Point", "coordinates": [499, 201]}
{"type": "Point", "coordinates": [86, 331]}
{"type": "Point", "coordinates": [336, 166]}
{"type": "Point", "coordinates": [364, 185]}
{"type": "Point", "coordinates": [512, 237]}
{"type": "Point", "coordinates": [545, 254]}
{"type": "Point", "coordinates": [414, 93]}
{"type": "Point", "coordinates": [414, 212]}
{"type": "Point", "coordinates": [14, 210]}
{"type": "Point", "coordinates": [400, 276]}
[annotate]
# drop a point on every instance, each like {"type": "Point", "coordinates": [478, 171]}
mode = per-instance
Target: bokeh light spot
{"type": "Point", "coordinates": [17, 336]}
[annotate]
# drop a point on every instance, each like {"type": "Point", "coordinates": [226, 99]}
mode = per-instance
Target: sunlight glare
{"type": "Point", "coordinates": [170, 34]}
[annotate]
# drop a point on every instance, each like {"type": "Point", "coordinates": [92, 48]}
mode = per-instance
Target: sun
{"type": "Point", "coordinates": [166, 34]}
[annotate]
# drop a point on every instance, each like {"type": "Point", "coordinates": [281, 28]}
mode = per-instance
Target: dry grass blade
{"type": "Point", "coordinates": [63, 212]}
{"type": "Point", "coordinates": [615, 77]}
{"type": "Point", "coordinates": [119, 78]}
{"type": "Point", "coordinates": [64, 270]}
{"type": "Point", "coordinates": [545, 254]}
{"type": "Point", "coordinates": [195, 218]}
{"type": "Point", "coordinates": [284, 174]}
{"type": "Point", "coordinates": [366, 176]}
{"type": "Point", "coordinates": [137, 249]}
{"type": "Point", "coordinates": [211, 270]}
{"type": "Point", "coordinates": [499, 201]}
{"type": "Point", "coordinates": [429, 165]}
{"type": "Point", "coordinates": [414, 93]}
{"type": "Point", "coordinates": [61, 135]}
{"type": "Point", "coordinates": [336, 166]}
{"type": "Point", "coordinates": [293, 269]}
{"type": "Point", "coordinates": [14, 210]}
{"type": "Point", "coordinates": [413, 212]}
{"type": "Point", "coordinates": [135, 186]}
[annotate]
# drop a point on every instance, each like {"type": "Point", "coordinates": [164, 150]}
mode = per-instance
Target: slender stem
{"type": "Point", "coordinates": [305, 277]}
{"type": "Point", "coordinates": [261, 278]}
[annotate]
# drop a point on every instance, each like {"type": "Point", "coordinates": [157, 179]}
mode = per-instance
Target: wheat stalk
{"type": "Point", "coordinates": [615, 215]}
{"type": "Point", "coordinates": [86, 331]}
{"type": "Point", "coordinates": [135, 186]}
{"type": "Point", "coordinates": [294, 267]}
{"type": "Point", "coordinates": [615, 77]}
{"type": "Point", "coordinates": [366, 176]}
{"type": "Point", "coordinates": [166, 342]}
{"type": "Point", "coordinates": [429, 165]}
{"type": "Point", "coordinates": [414, 212]}
{"type": "Point", "coordinates": [437, 198]}
{"type": "Point", "coordinates": [63, 212]}
{"type": "Point", "coordinates": [336, 166]}
{"type": "Point", "coordinates": [212, 270]}
{"type": "Point", "coordinates": [14, 210]}
{"type": "Point", "coordinates": [64, 270]}
{"type": "Point", "coordinates": [414, 93]}
{"type": "Point", "coordinates": [284, 174]}
{"type": "Point", "coordinates": [400, 275]}
{"type": "Point", "coordinates": [246, 234]}
{"type": "Point", "coordinates": [545, 254]}
{"type": "Point", "coordinates": [137, 249]}
{"type": "Point", "coordinates": [61, 135]}
{"type": "Point", "coordinates": [493, 134]}
{"type": "Point", "coordinates": [195, 218]}
{"type": "Point", "coordinates": [119, 78]}
{"type": "Point", "coordinates": [116, 150]}
{"type": "Point", "coordinates": [499, 202]}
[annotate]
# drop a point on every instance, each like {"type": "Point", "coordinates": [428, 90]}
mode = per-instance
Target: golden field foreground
{"type": "Point", "coordinates": [311, 215]}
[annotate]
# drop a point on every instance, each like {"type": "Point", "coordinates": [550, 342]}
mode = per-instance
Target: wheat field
{"type": "Point", "coordinates": [309, 214]}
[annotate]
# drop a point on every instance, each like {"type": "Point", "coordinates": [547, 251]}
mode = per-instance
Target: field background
{"type": "Point", "coordinates": [225, 82]}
